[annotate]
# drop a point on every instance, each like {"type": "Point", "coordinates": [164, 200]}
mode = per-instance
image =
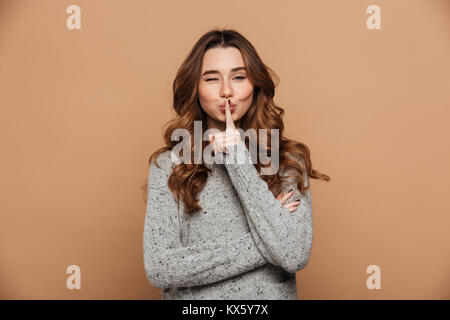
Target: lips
{"type": "Point", "coordinates": [222, 108]}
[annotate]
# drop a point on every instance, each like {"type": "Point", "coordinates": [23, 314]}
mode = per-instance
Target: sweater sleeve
{"type": "Point", "coordinates": [170, 264]}
{"type": "Point", "coordinates": [283, 238]}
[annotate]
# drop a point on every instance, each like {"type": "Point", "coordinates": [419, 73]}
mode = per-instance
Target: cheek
{"type": "Point", "coordinates": [207, 98]}
{"type": "Point", "coordinates": [206, 93]}
{"type": "Point", "coordinates": [245, 92]}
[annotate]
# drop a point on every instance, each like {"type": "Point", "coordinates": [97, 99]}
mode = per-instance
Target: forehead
{"type": "Point", "coordinates": [222, 59]}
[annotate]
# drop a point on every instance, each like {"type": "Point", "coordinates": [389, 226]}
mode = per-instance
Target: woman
{"type": "Point", "coordinates": [216, 230]}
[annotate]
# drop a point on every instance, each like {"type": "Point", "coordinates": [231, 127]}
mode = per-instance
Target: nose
{"type": "Point", "coordinates": [226, 89]}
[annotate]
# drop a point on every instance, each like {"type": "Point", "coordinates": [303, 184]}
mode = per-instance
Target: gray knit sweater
{"type": "Point", "coordinates": [243, 245]}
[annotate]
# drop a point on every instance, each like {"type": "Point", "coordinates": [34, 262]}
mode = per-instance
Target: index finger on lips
{"type": "Point", "coordinates": [229, 119]}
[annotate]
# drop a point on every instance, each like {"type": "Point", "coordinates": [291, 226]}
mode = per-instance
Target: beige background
{"type": "Point", "coordinates": [82, 110]}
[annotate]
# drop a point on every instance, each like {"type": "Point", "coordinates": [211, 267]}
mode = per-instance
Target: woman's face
{"type": "Point", "coordinates": [220, 82]}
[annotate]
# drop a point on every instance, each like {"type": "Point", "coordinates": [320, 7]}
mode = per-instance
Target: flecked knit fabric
{"type": "Point", "coordinates": [243, 245]}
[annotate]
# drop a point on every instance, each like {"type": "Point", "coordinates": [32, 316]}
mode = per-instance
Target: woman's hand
{"type": "Point", "coordinates": [228, 138]}
{"type": "Point", "coordinates": [283, 197]}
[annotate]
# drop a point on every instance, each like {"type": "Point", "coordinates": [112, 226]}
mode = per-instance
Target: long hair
{"type": "Point", "coordinates": [187, 180]}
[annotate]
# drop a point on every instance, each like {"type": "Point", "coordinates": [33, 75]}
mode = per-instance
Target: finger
{"type": "Point", "coordinates": [219, 144]}
{"type": "Point", "coordinates": [287, 195]}
{"type": "Point", "coordinates": [213, 142]}
{"type": "Point", "coordinates": [233, 136]}
{"type": "Point", "coordinates": [280, 195]}
{"type": "Point", "coordinates": [229, 120]}
{"type": "Point", "coordinates": [231, 140]}
{"type": "Point", "coordinates": [223, 141]}
{"type": "Point", "coordinates": [228, 136]}
{"type": "Point", "coordinates": [292, 206]}
{"type": "Point", "coordinates": [219, 140]}
{"type": "Point", "coordinates": [220, 135]}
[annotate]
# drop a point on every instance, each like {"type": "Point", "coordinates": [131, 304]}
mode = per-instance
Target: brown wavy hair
{"type": "Point", "coordinates": [187, 180]}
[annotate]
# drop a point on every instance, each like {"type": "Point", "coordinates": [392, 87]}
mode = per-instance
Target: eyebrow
{"type": "Point", "coordinates": [215, 71]}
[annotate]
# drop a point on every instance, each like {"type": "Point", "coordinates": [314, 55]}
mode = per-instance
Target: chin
{"type": "Point", "coordinates": [233, 116]}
